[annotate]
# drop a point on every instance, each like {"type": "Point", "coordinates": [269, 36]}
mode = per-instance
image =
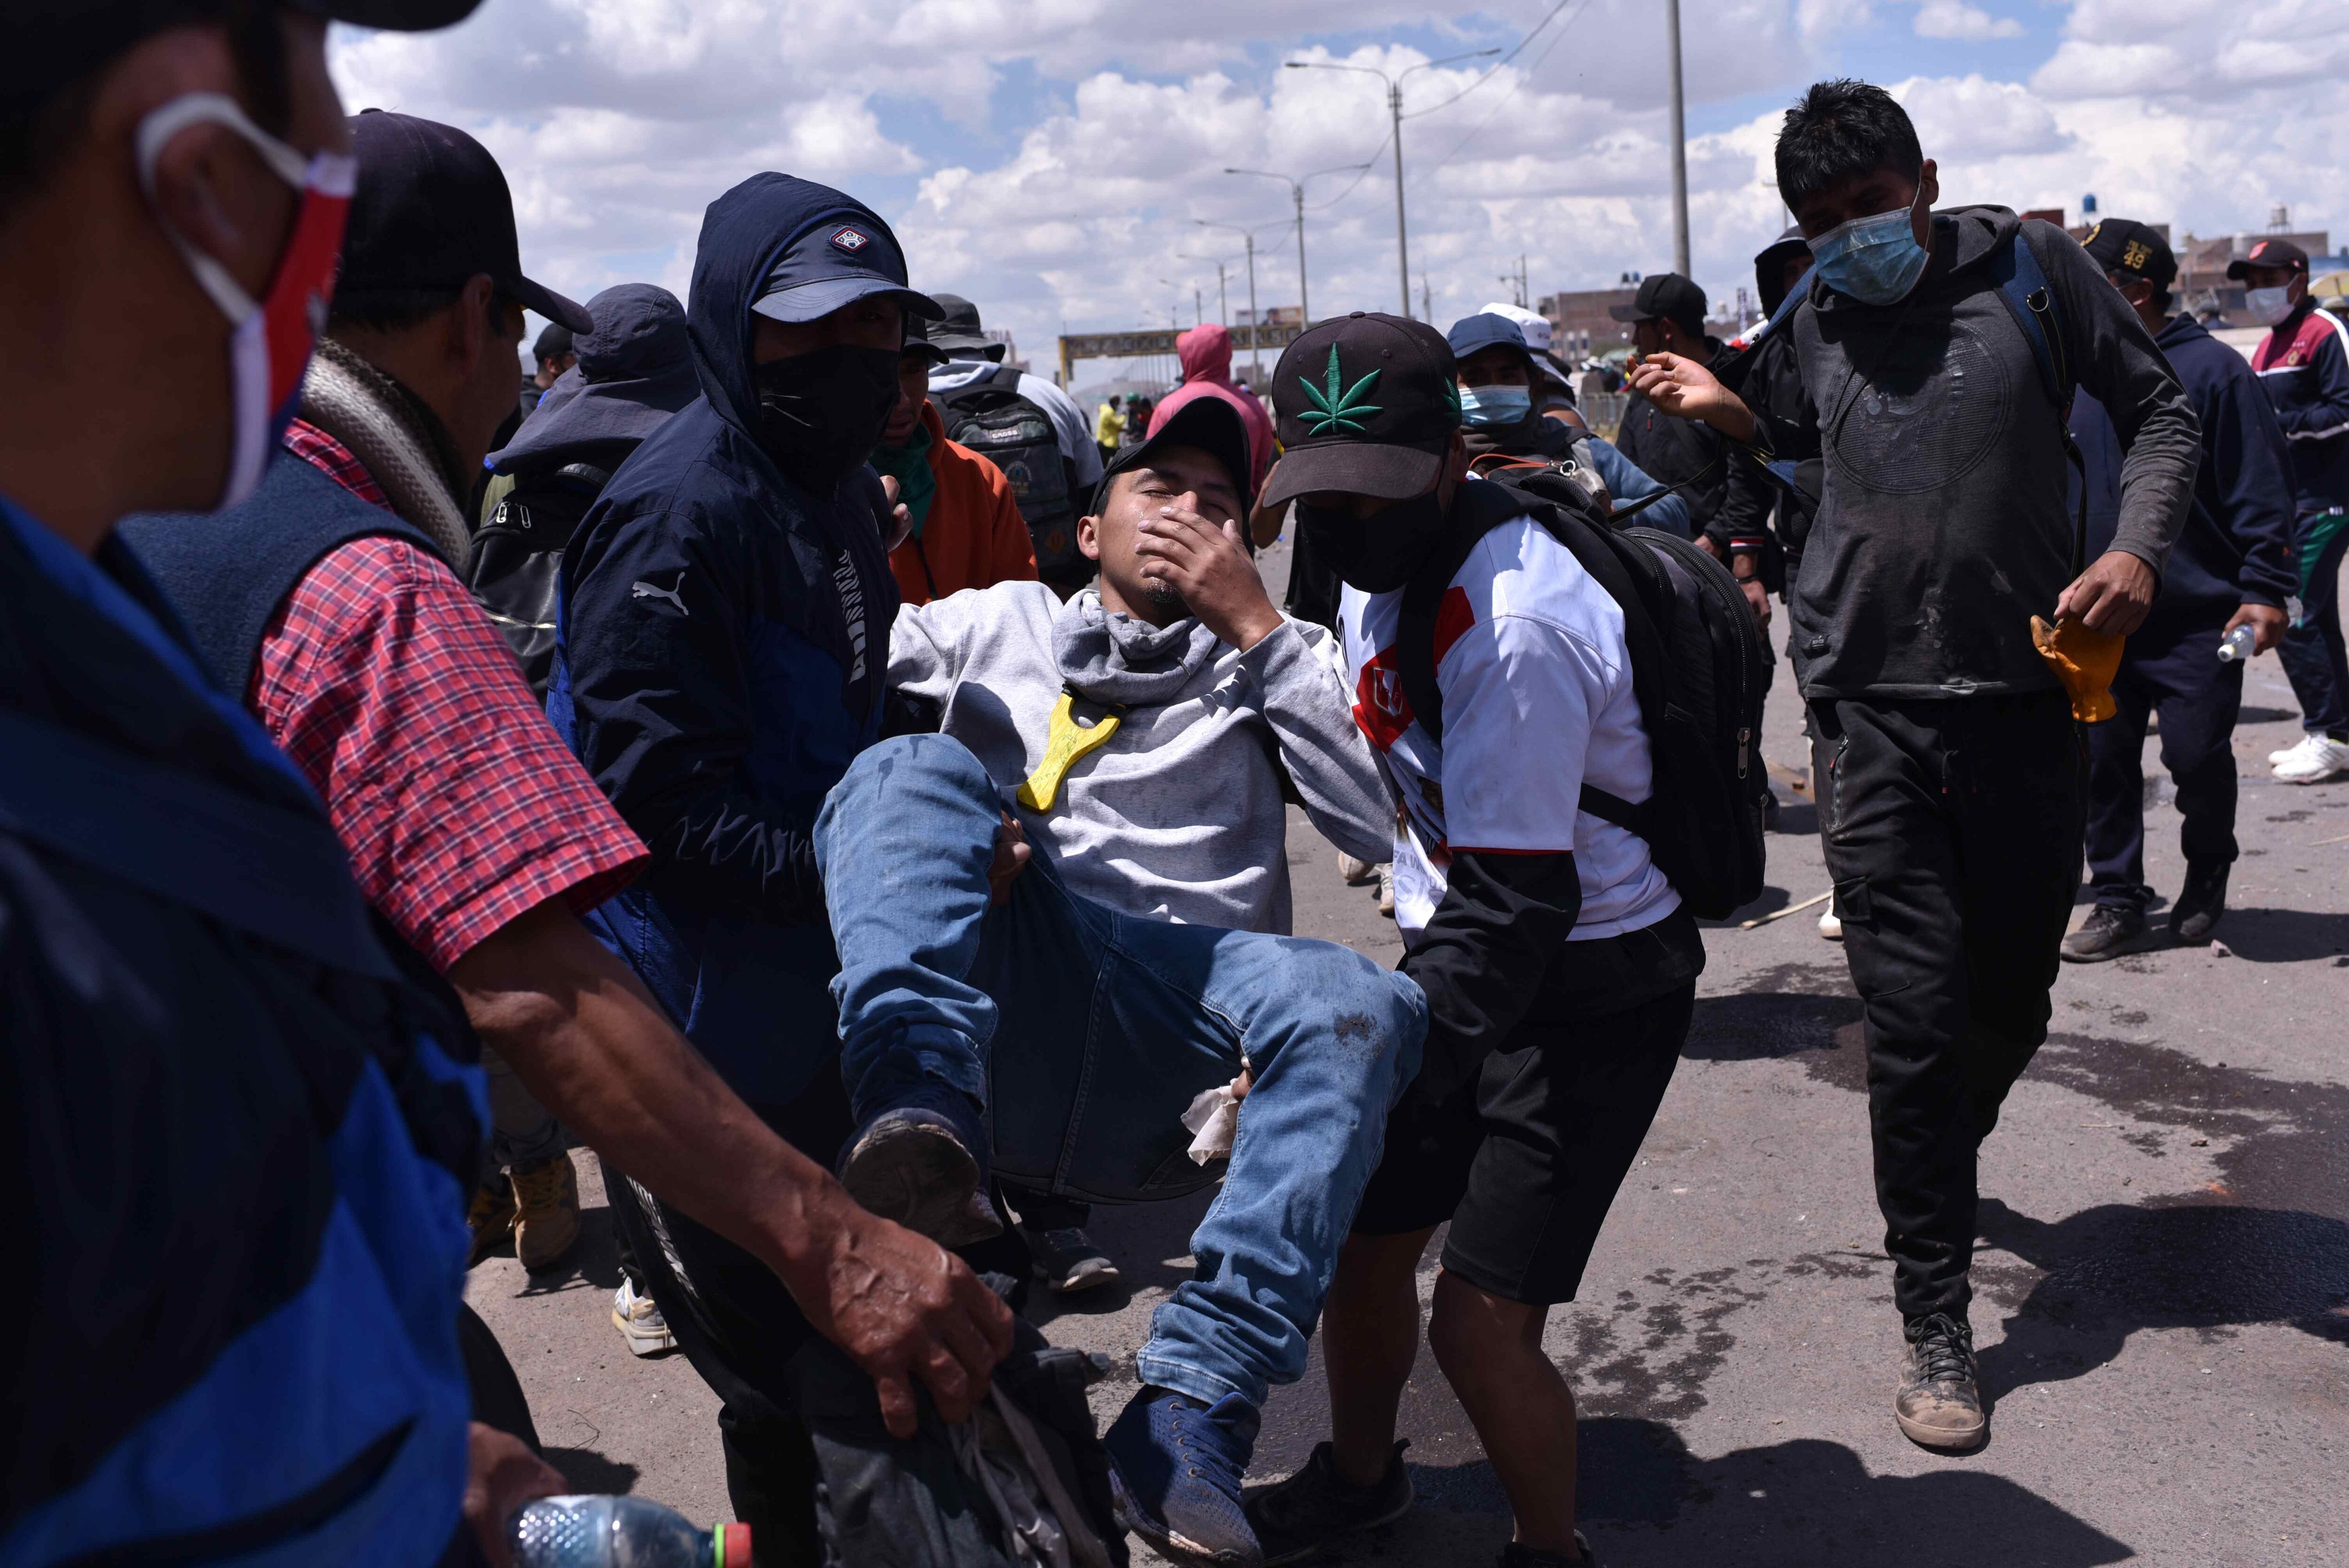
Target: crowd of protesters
{"type": "Point", "coordinates": [791, 754]}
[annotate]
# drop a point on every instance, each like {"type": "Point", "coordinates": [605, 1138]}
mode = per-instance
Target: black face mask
{"type": "Point", "coordinates": [1378, 553]}
{"type": "Point", "coordinates": [821, 414]}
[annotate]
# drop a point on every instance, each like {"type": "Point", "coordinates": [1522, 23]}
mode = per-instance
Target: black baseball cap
{"type": "Point", "coordinates": [1366, 404]}
{"type": "Point", "coordinates": [553, 343]}
{"type": "Point", "coordinates": [433, 209]}
{"type": "Point", "coordinates": [845, 256]}
{"type": "Point", "coordinates": [957, 331]}
{"type": "Point", "coordinates": [2269, 254]}
{"type": "Point", "coordinates": [2126, 245]}
{"type": "Point", "coordinates": [1210, 424]}
{"type": "Point", "coordinates": [1666, 296]}
{"type": "Point", "coordinates": [51, 42]}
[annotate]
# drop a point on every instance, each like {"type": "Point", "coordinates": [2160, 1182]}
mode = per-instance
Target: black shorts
{"type": "Point", "coordinates": [1525, 1162]}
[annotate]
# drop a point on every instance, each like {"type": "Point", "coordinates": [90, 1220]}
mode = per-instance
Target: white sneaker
{"type": "Point", "coordinates": [1356, 872]}
{"type": "Point", "coordinates": [1831, 925]}
{"type": "Point", "coordinates": [2321, 757]}
{"type": "Point", "coordinates": [2278, 759]}
{"type": "Point", "coordinates": [1385, 869]}
{"type": "Point", "coordinates": [640, 1322]}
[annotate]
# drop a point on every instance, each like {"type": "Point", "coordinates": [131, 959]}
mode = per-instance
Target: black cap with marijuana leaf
{"type": "Point", "coordinates": [1367, 405]}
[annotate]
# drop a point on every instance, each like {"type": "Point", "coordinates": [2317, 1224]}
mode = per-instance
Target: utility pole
{"type": "Point", "coordinates": [1403, 236]}
{"type": "Point", "coordinates": [1199, 309]}
{"type": "Point", "coordinates": [1680, 142]}
{"type": "Point", "coordinates": [1426, 299]}
{"type": "Point", "coordinates": [1394, 113]}
{"type": "Point", "coordinates": [1304, 307]}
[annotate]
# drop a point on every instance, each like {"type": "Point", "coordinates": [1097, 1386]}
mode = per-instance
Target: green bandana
{"type": "Point", "coordinates": [917, 482]}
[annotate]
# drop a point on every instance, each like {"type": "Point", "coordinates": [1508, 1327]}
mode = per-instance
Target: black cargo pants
{"type": "Point", "coordinates": [1952, 830]}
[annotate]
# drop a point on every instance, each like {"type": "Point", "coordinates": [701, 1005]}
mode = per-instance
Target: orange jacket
{"type": "Point", "coordinates": [974, 535]}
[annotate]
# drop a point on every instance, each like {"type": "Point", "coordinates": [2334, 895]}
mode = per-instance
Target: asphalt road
{"type": "Point", "coordinates": [2163, 1308]}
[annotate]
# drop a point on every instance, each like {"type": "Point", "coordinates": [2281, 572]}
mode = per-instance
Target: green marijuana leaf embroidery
{"type": "Point", "coordinates": [1452, 400]}
{"type": "Point", "coordinates": [1337, 411]}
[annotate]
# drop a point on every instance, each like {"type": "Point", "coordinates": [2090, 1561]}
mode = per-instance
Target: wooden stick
{"type": "Point", "coordinates": [1782, 913]}
{"type": "Point", "coordinates": [2343, 839]}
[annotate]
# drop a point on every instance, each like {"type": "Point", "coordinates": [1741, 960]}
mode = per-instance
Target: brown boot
{"type": "Point", "coordinates": [546, 1197]}
{"type": "Point", "coordinates": [492, 1216]}
{"type": "Point", "coordinates": [1940, 1401]}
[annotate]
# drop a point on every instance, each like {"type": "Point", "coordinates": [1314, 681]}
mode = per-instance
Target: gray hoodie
{"type": "Point", "coordinates": [1178, 815]}
{"type": "Point", "coordinates": [1945, 525]}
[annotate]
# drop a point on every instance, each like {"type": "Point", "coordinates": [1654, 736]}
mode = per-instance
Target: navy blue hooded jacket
{"type": "Point", "coordinates": [2236, 547]}
{"type": "Point", "coordinates": [723, 637]}
{"type": "Point", "coordinates": [236, 1155]}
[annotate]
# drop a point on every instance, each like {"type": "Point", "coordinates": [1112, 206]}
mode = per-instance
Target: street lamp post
{"type": "Point", "coordinates": [1256, 360]}
{"type": "Point", "coordinates": [1394, 110]}
{"type": "Point", "coordinates": [1296, 191]}
{"type": "Point", "coordinates": [1680, 142]}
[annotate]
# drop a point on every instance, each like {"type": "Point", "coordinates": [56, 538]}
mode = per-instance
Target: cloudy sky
{"type": "Point", "coordinates": [1051, 159]}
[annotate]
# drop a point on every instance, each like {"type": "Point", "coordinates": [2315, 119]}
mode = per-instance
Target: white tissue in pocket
{"type": "Point", "coordinates": [1213, 1121]}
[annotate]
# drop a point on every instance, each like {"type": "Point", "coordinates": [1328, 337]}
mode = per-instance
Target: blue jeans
{"type": "Point", "coordinates": [1087, 1032]}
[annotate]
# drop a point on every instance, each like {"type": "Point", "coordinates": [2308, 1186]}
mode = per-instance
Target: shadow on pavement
{"type": "Point", "coordinates": [2284, 935]}
{"type": "Point", "coordinates": [1647, 1502]}
{"type": "Point", "coordinates": [589, 1471]}
{"type": "Point", "coordinates": [2105, 1273]}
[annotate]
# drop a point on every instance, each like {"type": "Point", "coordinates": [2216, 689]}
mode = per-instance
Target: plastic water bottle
{"type": "Point", "coordinates": [619, 1533]}
{"type": "Point", "coordinates": [2237, 644]}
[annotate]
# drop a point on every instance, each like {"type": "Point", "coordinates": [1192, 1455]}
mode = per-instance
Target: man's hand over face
{"type": "Point", "coordinates": [1206, 562]}
{"type": "Point", "coordinates": [902, 1307]}
{"type": "Point", "coordinates": [2115, 594]}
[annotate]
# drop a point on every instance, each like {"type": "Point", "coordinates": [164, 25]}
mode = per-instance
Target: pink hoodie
{"type": "Point", "coordinates": [1206, 356]}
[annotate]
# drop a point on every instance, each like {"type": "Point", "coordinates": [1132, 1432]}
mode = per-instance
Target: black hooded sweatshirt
{"type": "Point", "coordinates": [1944, 526]}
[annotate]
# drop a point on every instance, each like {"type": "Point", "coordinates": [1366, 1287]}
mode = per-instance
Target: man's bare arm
{"type": "Point", "coordinates": [591, 1043]}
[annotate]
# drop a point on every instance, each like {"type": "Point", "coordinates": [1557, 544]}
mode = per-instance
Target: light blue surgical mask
{"type": "Point", "coordinates": [1876, 261]}
{"type": "Point", "coordinates": [1485, 407]}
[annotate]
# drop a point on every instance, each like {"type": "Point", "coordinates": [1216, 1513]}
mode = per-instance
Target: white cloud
{"type": "Point", "coordinates": [1966, 23]}
{"type": "Point", "coordinates": [1049, 158]}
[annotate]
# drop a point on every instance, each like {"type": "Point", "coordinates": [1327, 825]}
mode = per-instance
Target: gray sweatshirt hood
{"type": "Point", "coordinates": [1108, 657]}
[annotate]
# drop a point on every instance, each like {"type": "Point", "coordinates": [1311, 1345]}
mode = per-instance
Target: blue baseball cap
{"type": "Point", "coordinates": [842, 257]}
{"type": "Point", "coordinates": [1472, 332]}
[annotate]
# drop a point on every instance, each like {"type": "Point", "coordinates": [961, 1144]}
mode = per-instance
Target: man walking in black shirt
{"type": "Point", "coordinates": [1668, 317]}
{"type": "Point", "coordinates": [1937, 351]}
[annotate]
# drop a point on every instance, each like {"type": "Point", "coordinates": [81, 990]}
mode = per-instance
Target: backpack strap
{"type": "Point", "coordinates": [1478, 510]}
{"type": "Point", "coordinates": [2023, 285]}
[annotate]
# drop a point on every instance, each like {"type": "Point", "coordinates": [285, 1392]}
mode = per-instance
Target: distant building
{"type": "Point", "coordinates": [2202, 283]}
{"type": "Point", "coordinates": [1579, 326]}
{"type": "Point", "coordinates": [1011, 357]}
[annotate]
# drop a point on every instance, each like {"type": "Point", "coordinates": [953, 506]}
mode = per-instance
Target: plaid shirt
{"type": "Point", "coordinates": [459, 805]}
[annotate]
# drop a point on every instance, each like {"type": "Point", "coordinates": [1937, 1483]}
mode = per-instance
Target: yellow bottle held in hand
{"type": "Point", "coordinates": [2085, 661]}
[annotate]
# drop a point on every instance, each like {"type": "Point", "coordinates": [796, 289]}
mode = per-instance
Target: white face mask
{"type": "Point", "coordinates": [2269, 306]}
{"type": "Point", "coordinates": [270, 345]}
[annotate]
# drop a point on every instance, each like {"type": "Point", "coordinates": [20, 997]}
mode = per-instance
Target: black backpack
{"type": "Point", "coordinates": [518, 556]}
{"type": "Point", "coordinates": [992, 420]}
{"type": "Point", "coordinates": [1697, 665]}
{"type": "Point", "coordinates": [1024, 1481]}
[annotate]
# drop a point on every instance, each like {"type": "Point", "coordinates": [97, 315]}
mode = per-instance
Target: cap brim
{"type": "Point", "coordinates": [1206, 423]}
{"type": "Point", "coordinates": [551, 306]}
{"type": "Point", "coordinates": [1352, 467]}
{"type": "Point", "coordinates": [2236, 271]}
{"type": "Point", "coordinates": [815, 301]}
{"type": "Point", "coordinates": [964, 343]}
{"type": "Point", "coordinates": [391, 16]}
{"type": "Point", "coordinates": [1633, 313]}
{"type": "Point", "coordinates": [926, 349]}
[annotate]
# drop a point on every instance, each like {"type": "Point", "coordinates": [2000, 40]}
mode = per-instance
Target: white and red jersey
{"type": "Point", "coordinates": [1537, 698]}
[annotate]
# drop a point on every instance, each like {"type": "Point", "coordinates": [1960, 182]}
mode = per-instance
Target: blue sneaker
{"type": "Point", "coordinates": [1174, 1473]}
{"type": "Point", "coordinates": [922, 1163]}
